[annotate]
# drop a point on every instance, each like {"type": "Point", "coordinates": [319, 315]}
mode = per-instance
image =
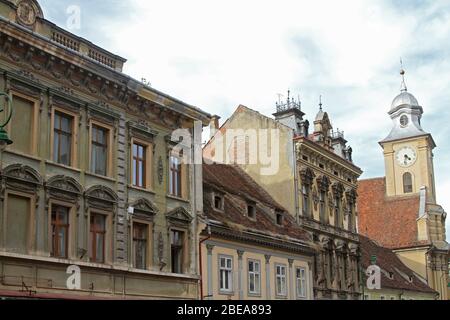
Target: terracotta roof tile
{"type": "Point", "coordinates": [389, 262]}
{"type": "Point", "coordinates": [239, 186]}
{"type": "Point", "coordinates": [389, 221]}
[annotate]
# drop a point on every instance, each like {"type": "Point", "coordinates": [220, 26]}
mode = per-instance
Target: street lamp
{"type": "Point", "coordinates": [4, 139]}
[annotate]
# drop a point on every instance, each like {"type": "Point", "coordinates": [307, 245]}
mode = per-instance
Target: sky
{"type": "Point", "coordinates": [219, 54]}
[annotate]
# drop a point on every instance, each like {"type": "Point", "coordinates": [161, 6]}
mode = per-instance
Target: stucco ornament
{"type": "Point", "coordinates": [26, 12]}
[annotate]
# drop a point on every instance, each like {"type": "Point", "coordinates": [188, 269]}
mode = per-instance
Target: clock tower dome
{"type": "Point", "coordinates": [408, 149]}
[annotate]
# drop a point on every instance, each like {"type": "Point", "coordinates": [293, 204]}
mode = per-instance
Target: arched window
{"type": "Point", "coordinates": [407, 183]}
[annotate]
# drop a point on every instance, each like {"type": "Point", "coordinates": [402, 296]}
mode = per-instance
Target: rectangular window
{"type": "Point", "coordinates": [305, 205]}
{"type": "Point", "coordinates": [62, 138]}
{"type": "Point", "coordinates": [281, 280]}
{"type": "Point", "coordinates": [251, 211]}
{"type": "Point", "coordinates": [99, 150]}
{"type": "Point", "coordinates": [18, 223]}
{"type": "Point", "coordinates": [140, 245]}
{"type": "Point", "coordinates": [301, 283]}
{"type": "Point", "coordinates": [177, 251]}
{"type": "Point", "coordinates": [60, 231]}
{"type": "Point", "coordinates": [98, 237]}
{"type": "Point", "coordinates": [22, 128]}
{"type": "Point", "coordinates": [322, 211]}
{"type": "Point", "coordinates": [254, 277]}
{"type": "Point", "coordinates": [226, 274]}
{"type": "Point", "coordinates": [139, 165]}
{"type": "Point", "coordinates": [175, 177]}
{"type": "Point", "coordinates": [337, 212]}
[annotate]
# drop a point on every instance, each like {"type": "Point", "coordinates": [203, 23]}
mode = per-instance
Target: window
{"type": "Point", "coordinates": [218, 202]}
{"type": "Point", "coordinates": [60, 231]}
{"type": "Point", "coordinates": [177, 251]}
{"type": "Point", "coordinates": [18, 223]}
{"type": "Point", "coordinates": [281, 280]}
{"type": "Point", "coordinates": [98, 237]}
{"type": "Point", "coordinates": [337, 212]}
{"type": "Point", "coordinates": [226, 274]}
{"type": "Point", "coordinates": [407, 183]}
{"type": "Point", "coordinates": [279, 218]}
{"type": "Point", "coordinates": [251, 211]}
{"type": "Point", "coordinates": [139, 164]}
{"type": "Point", "coordinates": [99, 152]}
{"type": "Point", "coordinates": [140, 245]}
{"type": "Point", "coordinates": [175, 177]}
{"type": "Point", "coordinates": [62, 138]}
{"type": "Point", "coordinates": [23, 125]}
{"type": "Point", "coordinates": [254, 277]}
{"type": "Point", "coordinates": [306, 201]}
{"type": "Point", "coordinates": [301, 283]}
{"type": "Point", "coordinates": [322, 211]}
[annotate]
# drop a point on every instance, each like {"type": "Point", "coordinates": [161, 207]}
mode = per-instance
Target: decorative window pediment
{"type": "Point", "coordinates": [101, 197]}
{"type": "Point", "coordinates": [143, 208]}
{"type": "Point", "coordinates": [22, 177]}
{"type": "Point", "coordinates": [63, 187]}
{"type": "Point", "coordinates": [307, 176]}
{"type": "Point", "coordinates": [338, 189]}
{"type": "Point", "coordinates": [141, 130]}
{"type": "Point", "coordinates": [323, 183]}
{"type": "Point", "coordinates": [179, 216]}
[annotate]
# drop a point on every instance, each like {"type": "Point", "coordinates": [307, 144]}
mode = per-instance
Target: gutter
{"type": "Point", "coordinates": [200, 257]}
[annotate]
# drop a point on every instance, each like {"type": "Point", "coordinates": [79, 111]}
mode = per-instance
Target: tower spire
{"type": "Point", "coordinates": [404, 88]}
{"type": "Point", "coordinates": [320, 102]}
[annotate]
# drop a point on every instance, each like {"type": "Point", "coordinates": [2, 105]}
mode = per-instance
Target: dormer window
{"type": "Point", "coordinates": [251, 211]}
{"type": "Point", "coordinates": [218, 202]}
{"type": "Point", "coordinates": [279, 218]}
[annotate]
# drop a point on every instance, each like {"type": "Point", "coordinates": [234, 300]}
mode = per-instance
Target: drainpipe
{"type": "Point", "coordinates": [200, 258]}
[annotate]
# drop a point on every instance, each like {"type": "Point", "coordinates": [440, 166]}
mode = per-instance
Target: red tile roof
{"type": "Point", "coordinates": [238, 187]}
{"type": "Point", "coordinates": [389, 262]}
{"type": "Point", "coordinates": [390, 221]}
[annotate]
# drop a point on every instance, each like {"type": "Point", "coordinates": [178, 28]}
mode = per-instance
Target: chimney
{"type": "Point", "coordinates": [214, 125]}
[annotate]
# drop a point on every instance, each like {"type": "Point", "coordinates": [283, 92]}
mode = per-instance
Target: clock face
{"type": "Point", "coordinates": [404, 120]}
{"type": "Point", "coordinates": [406, 157]}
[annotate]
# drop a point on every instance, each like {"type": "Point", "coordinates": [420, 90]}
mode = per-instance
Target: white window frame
{"type": "Point", "coordinates": [229, 270]}
{"type": "Point", "coordinates": [256, 277]}
{"type": "Point", "coordinates": [281, 291]}
{"type": "Point", "coordinates": [301, 283]}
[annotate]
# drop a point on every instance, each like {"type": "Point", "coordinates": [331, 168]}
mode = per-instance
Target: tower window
{"type": "Point", "coordinates": [251, 211]}
{"type": "Point", "coordinates": [407, 183]}
{"type": "Point", "coordinates": [218, 202]}
{"type": "Point", "coordinates": [404, 120]}
{"type": "Point", "coordinates": [279, 219]}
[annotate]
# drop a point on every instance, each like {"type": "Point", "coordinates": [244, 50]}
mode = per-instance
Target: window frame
{"type": "Point", "coordinates": [302, 280]}
{"type": "Point", "coordinates": [148, 163]}
{"type": "Point", "coordinates": [31, 232]}
{"type": "Point", "coordinates": [107, 244]}
{"type": "Point", "coordinates": [184, 249]}
{"type": "Point", "coordinates": [109, 151]}
{"type": "Point", "coordinates": [405, 190]}
{"type": "Point", "coordinates": [149, 243]}
{"type": "Point", "coordinates": [71, 227]}
{"type": "Point", "coordinates": [35, 122]}
{"type": "Point", "coordinates": [230, 271]}
{"type": "Point", "coordinates": [74, 139]}
{"type": "Point", "coordinates": [278, 293]}
{"type": "Point", "coordinates": [180, 174]}
{"type": "Point", "coordinates": [256, 293]}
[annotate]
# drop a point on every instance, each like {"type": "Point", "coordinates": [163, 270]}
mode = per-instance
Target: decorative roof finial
{"type": "Point", "coordinates": [402, 73]}
{"type": "Point", "coordinates": [320, 102]}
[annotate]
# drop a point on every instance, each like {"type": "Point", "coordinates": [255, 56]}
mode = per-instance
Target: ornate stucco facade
{"type": "Point", "coordinates": [316, 180]}
{"type": "Point", "coordinates": [92, 178]}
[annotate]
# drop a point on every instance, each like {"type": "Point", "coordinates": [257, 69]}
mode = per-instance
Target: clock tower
{"type": "Point", "coordinates": [408, 149]}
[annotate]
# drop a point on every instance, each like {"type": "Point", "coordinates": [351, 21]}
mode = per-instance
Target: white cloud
{"type": "Point", "coordinates": [217, 55]}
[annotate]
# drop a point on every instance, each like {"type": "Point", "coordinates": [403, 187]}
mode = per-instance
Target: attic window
{"type": "Point", "coordinates": [218, 202]}
{"type": "Point", "coordinates": [349, 180]}
{"type": "Point", "coordinates": [279, 219]}
{"type": "Point", "coordinates": [251, 211]}
{"type": "Point", "coordinates": [305, 158]}
{"type": "Point", "coordinates": [321, 166]}
{"type": "Point", "coordinates": [336, 174]}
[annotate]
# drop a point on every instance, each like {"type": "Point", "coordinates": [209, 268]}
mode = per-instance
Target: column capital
{"type": "Point", "coordinates": [291, 262]}
{"type": "Point", "coordinates": [210, 248]}
{"type": "Point", "coordinates": [268, 257]}
{"type": "Point", "coordinates": [240, 254]}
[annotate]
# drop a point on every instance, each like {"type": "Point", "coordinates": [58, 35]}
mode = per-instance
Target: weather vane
{"type": "Point", "coordinates": [404, 88]}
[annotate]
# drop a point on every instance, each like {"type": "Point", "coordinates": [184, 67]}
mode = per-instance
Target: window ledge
{"type": "Point", "coordinates": [29, 156]}
{"type": "Point", "coordinates": [49, 162]}
{"type": "Point", "coordinates": [177, 198]}
{"type": "Point", "coordinates": [226, 293]}
{"type": "Point", "coordinates": [150, 191]}
{"type": "Point", "coordinates": [100, 176]}
{"type": "Point", "coordinates": [254, 295]}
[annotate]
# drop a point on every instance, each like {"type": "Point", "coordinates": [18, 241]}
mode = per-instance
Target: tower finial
{"type": "Point", "coordinates": [320, 102]}
{"type": "Point", "coordinates": [404, 88]}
